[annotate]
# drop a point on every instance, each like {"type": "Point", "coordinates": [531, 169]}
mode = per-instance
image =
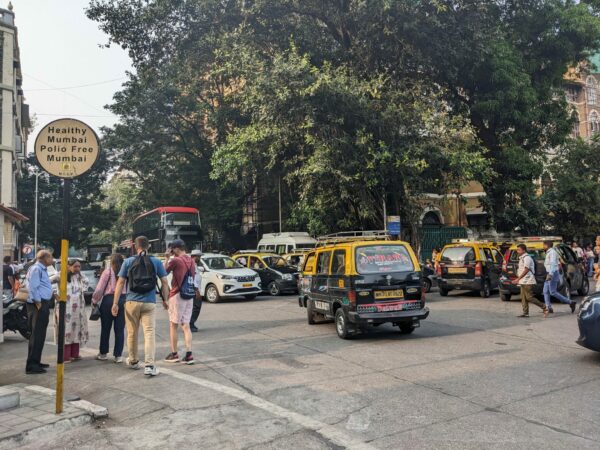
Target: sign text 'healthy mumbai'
{"type": "Point", "coordinates": [67, 148]}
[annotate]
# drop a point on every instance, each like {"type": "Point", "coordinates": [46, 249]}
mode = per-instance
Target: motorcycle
{"type": "Point", "coordinates": [14, 317]}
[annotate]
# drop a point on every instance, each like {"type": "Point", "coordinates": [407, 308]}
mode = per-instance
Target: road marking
{"type": "Point", "coordinates": [329, 432]}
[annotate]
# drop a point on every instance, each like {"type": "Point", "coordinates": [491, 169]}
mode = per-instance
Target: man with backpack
{"type": "Point", "coordinates": [140, 273]}
{"type": "Point", "coordinates": [181, 299]}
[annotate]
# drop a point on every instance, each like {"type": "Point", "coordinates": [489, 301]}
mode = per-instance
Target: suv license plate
{"type": "Point", "coordinates": [396, 293]}
{"type": "Point", "coordinates": [457, 270]}
{"type": "Point", "coordinates": [247, 285]}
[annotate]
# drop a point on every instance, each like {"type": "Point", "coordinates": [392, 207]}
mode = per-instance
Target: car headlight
{"type": "Point", "coordinates": [287, 276]}
{"type": "Point", "coordinates": [220, 276]}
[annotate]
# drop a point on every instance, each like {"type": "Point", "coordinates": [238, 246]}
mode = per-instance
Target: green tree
{"type": "Point", "coordinates": [88, 214]}
{"type": "Point", "coordinates": [572, 189]}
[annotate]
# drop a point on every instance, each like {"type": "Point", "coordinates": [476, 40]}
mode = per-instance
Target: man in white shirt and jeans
{"type": "Point", "coordinates": [552, 264]}
{"type": "Point", "coordinates": [526, 280]}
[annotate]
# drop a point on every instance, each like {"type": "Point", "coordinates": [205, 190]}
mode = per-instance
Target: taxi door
{"type": "Point", "coordinates": [320, 283]}
{"type": "Point", "coordinates": [338, 280]}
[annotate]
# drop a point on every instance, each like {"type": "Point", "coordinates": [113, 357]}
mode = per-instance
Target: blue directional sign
{"type": "Point", "coordinates": [393, 225]}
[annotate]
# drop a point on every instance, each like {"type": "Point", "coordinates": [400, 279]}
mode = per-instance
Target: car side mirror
{"type": "Point", "coordinates": [201, 269]}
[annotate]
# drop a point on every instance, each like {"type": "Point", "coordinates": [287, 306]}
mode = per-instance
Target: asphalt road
{"type": "Point", "coordinates": [474, 376]}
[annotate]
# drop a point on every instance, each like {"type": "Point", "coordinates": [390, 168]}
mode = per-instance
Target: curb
{"type": "Point", "coordinates": [96, 411]}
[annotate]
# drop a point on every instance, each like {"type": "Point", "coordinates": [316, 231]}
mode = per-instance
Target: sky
{"type": "Point", "coordinates": [61, 56]}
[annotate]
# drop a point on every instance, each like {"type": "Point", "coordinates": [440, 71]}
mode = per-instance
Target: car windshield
{"type": "Point", "coordinates": [383, 259]}
{"type": "Point", "coordinates": [274, 261]}
{"type": "Point", "coordinates": [221, 263]}
{"type": "Point", "coordinates": [537, 254]}
{"type": "Point", "coordinates": [458, 254]}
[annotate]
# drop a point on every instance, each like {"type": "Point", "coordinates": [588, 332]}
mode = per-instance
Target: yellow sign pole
{"type": "Point", "coordinates": [62, 302]}
{"type": "Point", "coordinates": [66, 161]}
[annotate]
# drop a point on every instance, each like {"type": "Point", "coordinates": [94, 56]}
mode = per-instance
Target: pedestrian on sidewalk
{"type": "Point", "coordinates": [526, 281]}
{"type": "Point", "coordinates": [76, 322]}
{"type": "Point", "coordinates": [104, 296]}
{"type": "Point", "coordinates": [553, 277]}
{"type": "Point", "coordinates": [196, 254]}
{"type": "Point", "coordinates": [181, 298]}
{"type": "Point", "coordinates": [140, 273]}
{"type": "Point", "coordinates": [38, 310]}
{"type": "Point", "coordinates": [590, 257]}
{"type": "Point", "coordinates": [8, 278]}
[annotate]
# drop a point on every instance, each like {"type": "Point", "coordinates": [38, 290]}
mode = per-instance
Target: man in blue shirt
{"type": "Point", "coordinates": [38, 310]}
{"type": "Point", "coordinates": [140, 308]}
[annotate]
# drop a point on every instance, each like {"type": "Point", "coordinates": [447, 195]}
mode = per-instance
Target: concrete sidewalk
{"type": "Point", "coordinates": [34, 416]}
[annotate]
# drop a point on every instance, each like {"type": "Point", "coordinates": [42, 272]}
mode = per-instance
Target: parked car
{"type": "Point", "coordinates": [574, 279]}
{"type": "Point", "coordinates": [361, 282]}
{"type": "Point", "coordinates": [222, 277]}
{"type": "Point", "coordinates": [295, 259]}
{"type": "Point", "coordinates": [276, 276]}
{"type": "Point", "coordinates": [588, 320]}
{"type": "Point", "coordinates": [469, 265]}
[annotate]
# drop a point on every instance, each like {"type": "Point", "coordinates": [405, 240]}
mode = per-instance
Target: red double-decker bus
{"type": "Point", "coordinates": [167, 223]}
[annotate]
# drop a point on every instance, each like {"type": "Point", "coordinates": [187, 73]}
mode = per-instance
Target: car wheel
{"type": "Point", "coordinates": [310, 312]}
{"type": "Point", "coordinates": [444, 292]}
{"type": "Point", "coordinates": [585, 287]}
{"type": "Point", "coordinates": [212, 294]}
{"type": "Point", "coordinates": [273, 288]}
{"type": "Point", "coordinates": [505, 297]}
{"type": "Point", "coordinates": [250, 297]}
{"type": "Point", "coordinates": [486, 289]}
{"type": "Point", "coordinates": [426, 284]}
{"type": "Point", "coordinates": [406, 328]}
{"type": "Point", "coordinates": [341, 324]}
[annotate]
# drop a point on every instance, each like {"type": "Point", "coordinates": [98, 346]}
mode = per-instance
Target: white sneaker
{"type": "Point", "coordinates": [133, 365]}
{"type": "Point", "coordinates": [118, 359]}
{"type": "Point", "coordinates": [151, 371]}
{"type": "Point", "coordinates": [101, 357]}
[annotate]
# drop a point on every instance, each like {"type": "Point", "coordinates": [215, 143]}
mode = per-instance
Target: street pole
{"type": "Point", "coordinates": [35, 232]}
{"type": "Point", "coordinates": [384, 213]}
{"type": "Point", "coordinates": [280, 204]}
{"type": "Point", "coordinates": [64, 257]}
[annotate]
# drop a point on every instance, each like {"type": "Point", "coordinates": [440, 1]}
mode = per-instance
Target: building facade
{"type": "Point", "coordinates": [14, 130]}
{"type": "Point", "coordinates": [581, 91]}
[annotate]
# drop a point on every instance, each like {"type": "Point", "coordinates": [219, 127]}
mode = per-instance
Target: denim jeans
{"type": "Point", "coordinates": [590, 267]}
{"type": "Point", "coordinates": [550, 290]}
{"type": "Point", "coordinates": [108, 321]}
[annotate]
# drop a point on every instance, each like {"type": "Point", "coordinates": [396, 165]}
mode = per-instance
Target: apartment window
{"type": "Point", "coordinates": [575, 131]}
{"type": "Point", "coordinates": [594, 123]}
{"type": "Point", "coordinates": [572, 94]}
{"type": "Point", "coordinates": [592, 90]}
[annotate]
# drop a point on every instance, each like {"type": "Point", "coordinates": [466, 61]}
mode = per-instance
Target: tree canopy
{"type": "Point", "coordinates": [347, 102]}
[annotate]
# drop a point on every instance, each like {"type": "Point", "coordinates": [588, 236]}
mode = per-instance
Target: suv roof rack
{"type": "Point", "coordinates": [247, 251]}
{"type": "Point", "coordinates": [538, 238]}
{"type": "Point", "coordinates": [348, 236]}
{"type": "Point", "coordinates": [472, 241]}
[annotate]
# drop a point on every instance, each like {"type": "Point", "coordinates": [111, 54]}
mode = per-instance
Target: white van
{"type": "Point", "coordinates": [283, 243]}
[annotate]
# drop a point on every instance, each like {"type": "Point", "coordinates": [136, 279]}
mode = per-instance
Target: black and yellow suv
{"type": "Point", "coordinates": [360, 279]}
{"type": "Point", "coordinates": [574, 276]}
{"type": "Point", "coordinates": [276, 276]}
{"type": "Point", "coordinates": [469, 265]}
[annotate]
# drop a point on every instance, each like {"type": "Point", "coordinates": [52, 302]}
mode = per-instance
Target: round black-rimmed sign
{"type": "Point", "coordinates": [67, 148]}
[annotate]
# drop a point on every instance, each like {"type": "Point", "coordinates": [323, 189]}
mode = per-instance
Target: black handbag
{"type": "Point", "coordinates": [95, 314]}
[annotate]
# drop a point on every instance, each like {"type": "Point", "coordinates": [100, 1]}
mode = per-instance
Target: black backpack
{"type": "Point", "coordinates": [141, 275]}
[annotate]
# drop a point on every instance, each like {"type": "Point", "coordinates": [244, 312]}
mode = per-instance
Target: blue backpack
{"type": "Point", "coordinates": [187, 290]}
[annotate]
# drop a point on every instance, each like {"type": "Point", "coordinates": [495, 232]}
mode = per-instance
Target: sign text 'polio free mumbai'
{"type": "Point", "coordinates": [67, 148]}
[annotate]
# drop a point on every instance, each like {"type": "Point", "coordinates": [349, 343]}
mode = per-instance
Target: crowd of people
{"type": "Point", "coordinates": [125, 298]}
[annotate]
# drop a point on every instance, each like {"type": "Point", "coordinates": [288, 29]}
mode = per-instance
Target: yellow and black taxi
{"type": "Point", "coordinates": [574, 277]}
{"type": "Point", "coordinates": [276, 276]}
{"type": "Point", "coordinates": [295, 259]}
{"type": "Point", "coordinates": [360, 279]}
{"type": "Point", "coordinates": [469, 265]}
